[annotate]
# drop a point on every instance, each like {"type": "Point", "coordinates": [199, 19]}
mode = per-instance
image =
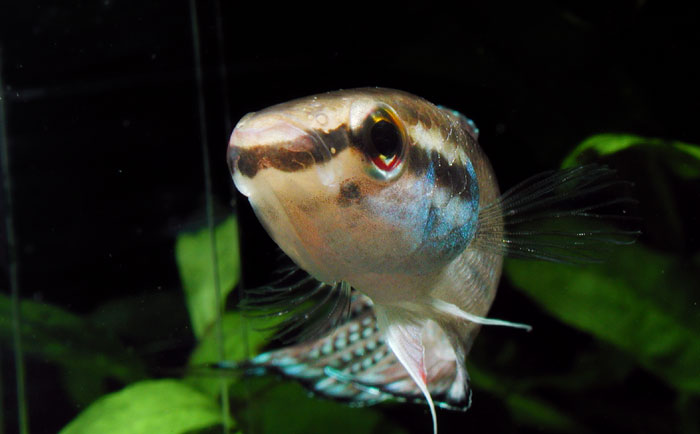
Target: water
{"type": "Point", "coordinates": [116, 133]}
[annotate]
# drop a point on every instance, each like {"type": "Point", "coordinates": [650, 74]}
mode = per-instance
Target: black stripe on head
{"type": "Point", "coordinates": [288, 156]}
{"type": "Point", "coordinates": [454, 177]}
{"type": "Point", "coordinates": [338, 139]}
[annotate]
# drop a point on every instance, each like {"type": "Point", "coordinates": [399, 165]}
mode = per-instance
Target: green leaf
{"type": "Point", "coordinates": [243, 339]}
{"type": "Point", "coordinates": [639, 301]}
{"type": "Point", "coordinates": [153, 407]}
{"type": "Point", "coordinates": [54, 335]}
{"type": "Point", "coordinates": [195, 261]}
{"type": "Point", "coordinates": [684, 158]}
{"type": "Point", "coordinates": [285, 407]}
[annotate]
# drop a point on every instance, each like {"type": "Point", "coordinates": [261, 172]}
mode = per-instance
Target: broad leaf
{"type": "Point", "coordinates": [272, 407]}
{"type": "Point", "coordinates": [158, 406]}
{"type": "Point", "coordinates": [684, 158]}
{"type": "Point", "coordinates": [195, 260]}
{"type": "Point", "coordinates": [639, 300]}
{"type": "Point", "coordinates": [242, 339]}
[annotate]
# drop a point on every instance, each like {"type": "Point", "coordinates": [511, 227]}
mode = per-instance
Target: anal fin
{"type": "Point", "coordinates": [403, 334]}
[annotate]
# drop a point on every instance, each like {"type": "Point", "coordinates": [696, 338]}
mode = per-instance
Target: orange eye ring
{"type": "Point", "coordinates": [384, 142]}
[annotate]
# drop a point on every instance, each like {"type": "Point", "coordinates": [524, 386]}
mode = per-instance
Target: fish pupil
{"type": "Point", "coordinates": [386, 138]}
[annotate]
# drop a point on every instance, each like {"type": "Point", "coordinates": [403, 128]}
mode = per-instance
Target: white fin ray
{"type": "Point", "coordinates": [403, 335]}
{"type": "Point", "coordinates": [403, 327]}
{"type": "Point", "coordinates": [453, 310]}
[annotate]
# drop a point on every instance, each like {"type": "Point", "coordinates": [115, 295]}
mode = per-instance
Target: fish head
{"type": "Point", "coordinates": [363, 181]}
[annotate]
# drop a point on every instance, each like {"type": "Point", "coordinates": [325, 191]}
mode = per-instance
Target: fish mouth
{"type": "Point", "coordinates": [274, 141]}
{"type": "Point", "coordinates": [282, 169]}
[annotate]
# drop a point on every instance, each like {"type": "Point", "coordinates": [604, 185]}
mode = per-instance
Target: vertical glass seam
{"type": "Point", "coordinates": [225, 416]}
{"type": "Point", "coordinates": [23, 417]}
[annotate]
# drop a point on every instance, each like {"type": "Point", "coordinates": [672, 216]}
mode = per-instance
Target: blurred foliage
{"type": "Point", "coordinates": [525, 408]}
{"type": "Point", "coordinates": [87, 354]}
{"type": "Point", "coordinates": [236, 347]}
{"type": "Point", "coordinates": [683, 158]}
{"type": "Point", "coordinates": [638, 300]}
{"type": "Point", "coordinates": [195, 260]}
{"type": "Point", "coordinates": [270, 407]}
{"type": "Point", "coordinates": [639, 310]}
{"type": "Point", "coordinates": [154, 406]}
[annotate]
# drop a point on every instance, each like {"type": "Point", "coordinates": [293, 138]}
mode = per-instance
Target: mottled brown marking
{"type": "Point", "coordinates": [349, 193]}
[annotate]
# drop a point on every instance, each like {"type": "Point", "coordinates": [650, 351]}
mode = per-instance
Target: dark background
{"type": "Point", "coordinates": [104, 130]}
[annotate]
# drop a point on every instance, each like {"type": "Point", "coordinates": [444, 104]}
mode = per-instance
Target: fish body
{"type": "Point", "coordinates": [384, 192]}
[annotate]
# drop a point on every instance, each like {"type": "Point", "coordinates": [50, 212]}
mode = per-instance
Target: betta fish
{"type": "Point", "coordinates": [393, 218]}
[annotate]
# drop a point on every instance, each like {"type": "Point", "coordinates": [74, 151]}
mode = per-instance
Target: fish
{"type": "Point", "coordinates": [391, 214]}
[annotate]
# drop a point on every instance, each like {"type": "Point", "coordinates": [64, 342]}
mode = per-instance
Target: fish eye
{"type": "Point", "coordinates": [385, 138]}
{"type": "Point", "coordinates": [383, 141]}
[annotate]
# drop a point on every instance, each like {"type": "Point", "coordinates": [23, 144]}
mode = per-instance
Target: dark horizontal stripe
{"type": "Point", "coordinates": [283, 155]}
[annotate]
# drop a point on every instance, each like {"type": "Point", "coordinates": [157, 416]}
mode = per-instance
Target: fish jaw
{"type": "Point", "coordinates": [265, 148]}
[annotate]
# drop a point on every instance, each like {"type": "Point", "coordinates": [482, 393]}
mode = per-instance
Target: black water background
{"type": "Point", "coordinates": [103, 127]}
